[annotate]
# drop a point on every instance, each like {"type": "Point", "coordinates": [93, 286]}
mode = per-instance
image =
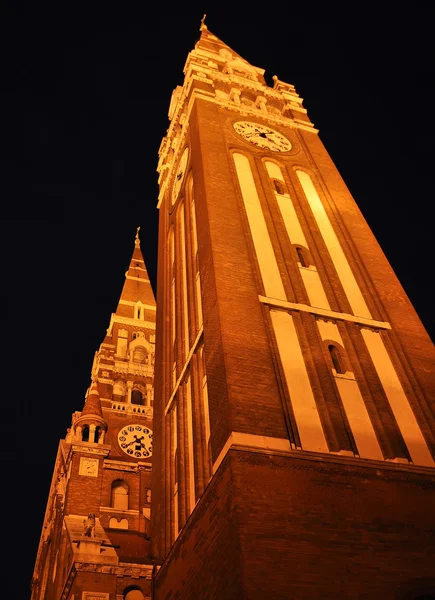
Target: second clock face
{"type": "Point", "coordinates": [136, 441]}
{"type": "Point", "coordinates": [179, 174]}
{"type": "Point", "coordinates": [262, 136]}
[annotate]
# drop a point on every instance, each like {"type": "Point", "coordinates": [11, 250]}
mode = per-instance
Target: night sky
{"type": "Point", "coordinates": [84, 97]}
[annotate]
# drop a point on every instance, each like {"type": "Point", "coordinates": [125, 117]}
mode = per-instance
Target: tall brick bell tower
{"type": "Point", "coordinates": [294, 417]}
{"type": "Point", "coordinates": [95, 537]}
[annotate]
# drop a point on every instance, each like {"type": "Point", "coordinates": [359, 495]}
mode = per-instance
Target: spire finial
{"type": "Point", "coordinates": [136, 239]}
{"type": "Point", "coordinates": [203, 25]}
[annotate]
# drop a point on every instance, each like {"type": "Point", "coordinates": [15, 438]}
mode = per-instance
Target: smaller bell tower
{"type": "Point", "coordinates": [95, 540]}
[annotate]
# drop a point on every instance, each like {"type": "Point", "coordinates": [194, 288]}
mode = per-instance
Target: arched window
{"type": "Point", "coordinates": [337, 359]}
{"type": "Point", "coordinates": [136, 397]}
{"type": "Point", "coordinates": [119, 389]}
{"type": "Point", "coordinates": [98, 431]}
{"type": "Point", "coordinates": [303, 256]}
{"type": "Point", "coordinates": [85, 433]}
{"type": "Point", "coordinates": [119, 495]}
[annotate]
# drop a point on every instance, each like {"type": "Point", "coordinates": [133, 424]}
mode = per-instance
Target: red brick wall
{"type": "Point", "coordinates": [205, 561]}
{"type": "Point", "coordinates": [305, 528]}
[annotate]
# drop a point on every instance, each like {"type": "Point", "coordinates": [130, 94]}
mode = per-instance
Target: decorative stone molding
{"type": "Point", "coordinates": [89, 448]}
{"type": "Point", "coordinates": [260, 103]}
{"type": "Point", "coordinates": [145, 411]}
{"type": "Point", "coordinates": [104, 380]}
{"type": "Point", "coordinates": [120, 465]}
{"type": "Point", "coordinates": [143, 370]}
{"type": "Point", "coordinates": [234, 96]}
{"type": "Point", "coordinates": [122, 570]}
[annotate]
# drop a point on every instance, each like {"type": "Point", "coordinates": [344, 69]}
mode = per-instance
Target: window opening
{"type": "Point", "coordinates": [85, 434]}
{"type": "Point", "coordinates": [301, 257]}
{"type": "Point", "coordinates": [336, 359]}
{"type": "Point", "coordinates": [279, 187]}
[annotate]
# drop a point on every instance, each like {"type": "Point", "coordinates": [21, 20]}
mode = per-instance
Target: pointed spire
{"type": "Point", "coordinates": [93, 403]}
{"type": "Point", "coordinates": [137, 286]}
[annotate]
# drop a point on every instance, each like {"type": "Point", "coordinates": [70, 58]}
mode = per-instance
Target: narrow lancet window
{"type": "Point", "coordinates": [336, 358]}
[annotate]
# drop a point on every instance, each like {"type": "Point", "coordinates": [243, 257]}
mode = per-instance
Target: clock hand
{"type": "Point", "coordinates": [135, 441]}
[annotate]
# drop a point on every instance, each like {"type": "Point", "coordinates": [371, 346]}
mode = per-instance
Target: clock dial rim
{"type": "Point", "coordinates": [265, 129]}
{"type": "Point", "coordinates": [130, 438]}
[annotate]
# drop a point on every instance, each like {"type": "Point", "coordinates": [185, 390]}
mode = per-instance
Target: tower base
{"type": "Point", "coordinates": [305, 526]}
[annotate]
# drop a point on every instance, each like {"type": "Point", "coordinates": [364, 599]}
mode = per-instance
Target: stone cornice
{"type": "Point", "coordinates": [89, 448]}
{"type": "Point", "coordinates": [122, 570]}
{"type": "Point", "coordinates": [324, 313]}
{"type": "Point", "coordinates": [130, 321]}
{"type": "Point", "coordinates": [121, 465]}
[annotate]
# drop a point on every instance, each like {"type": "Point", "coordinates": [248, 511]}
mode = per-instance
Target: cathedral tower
{"type": "Point", "coordinates": [95, 538]}
{"type": "Point", "coordinates": [294, 418]}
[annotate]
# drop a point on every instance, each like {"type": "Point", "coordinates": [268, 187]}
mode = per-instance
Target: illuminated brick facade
{"type": "Point", "coordinates": [295, 387]}
{"type": "Point", "coordinates": [293, 425]}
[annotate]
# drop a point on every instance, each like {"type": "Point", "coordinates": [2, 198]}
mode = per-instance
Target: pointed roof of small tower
{"type": "Point", "coordinates": [137, 285]}
{"type": "Point", "coordinates": [92, 405]}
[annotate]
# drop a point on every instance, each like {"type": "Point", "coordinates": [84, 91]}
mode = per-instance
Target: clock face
{"type": "Point", "coordinates": [262, 136]}
{"type": "Point", "coordinates": [88, 466]}
{"type": "Point", "coordinates": [136, 441]}
{"type": "Point", "coordinates": [179, 174]}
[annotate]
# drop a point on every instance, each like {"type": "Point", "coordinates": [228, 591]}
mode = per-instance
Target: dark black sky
{"type": "Point", "coordinates": [84, 99]}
